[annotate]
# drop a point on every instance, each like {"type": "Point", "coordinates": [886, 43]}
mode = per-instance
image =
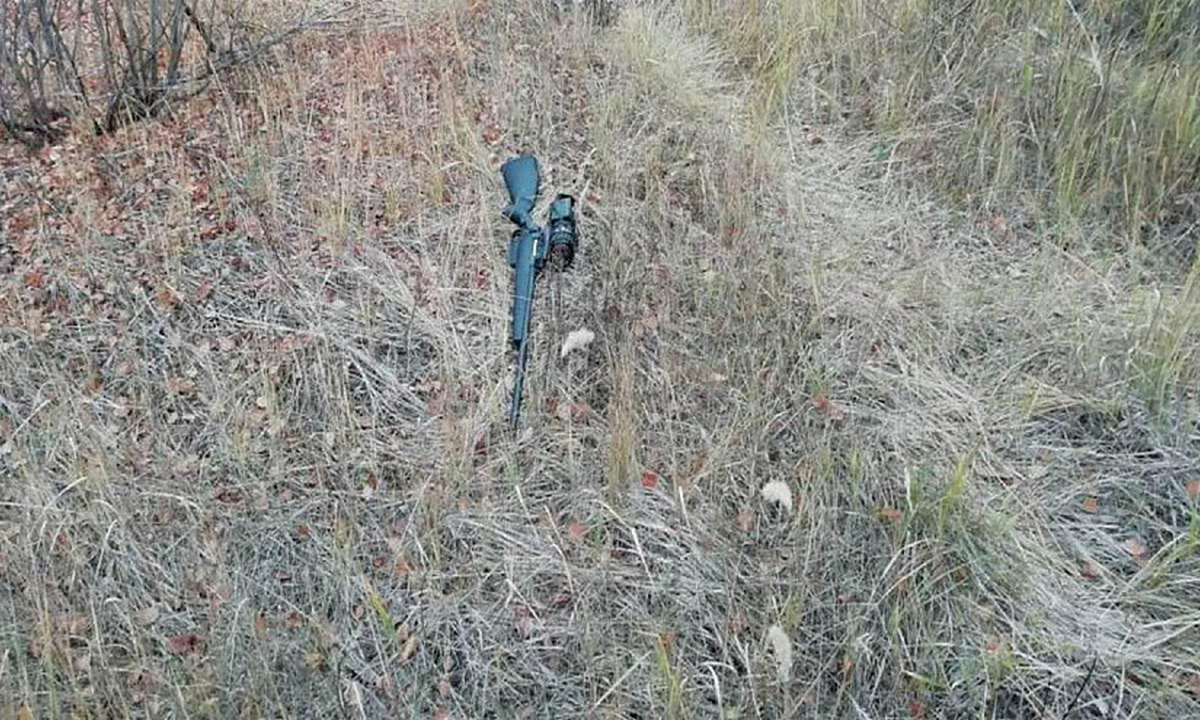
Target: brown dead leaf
{"type": "Point", "coordinates": [579, 411]}
{"type": "Point", "coordinates": [890, 514]}
{"type": "Point", "coordinates": [522, 620]}
{"type": "Point", "coordinates": [260, 624]}
{"type": "Point", "coordinates": [1091, 505]}
{"type": "Point", "coordinates": [185, 644]}
{"type": "Point", "coordinates": [826, 407]}
{"type": "Point", "coordinates": [167, 297]}
{"type": "Point", "coordinates": [1136, 547]}
{"type": "Point", "coordinates": [293, 620]}
{"type": "Point", "coordinates": [745, 519]}
{"type": "Point", "coordinates": [410, 647]}
{"type": "Point", "coordinates": [204, 291]}
{"type": "Point", "coordinates": [24, 713]}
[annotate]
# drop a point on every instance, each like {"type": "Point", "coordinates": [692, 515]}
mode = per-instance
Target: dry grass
{"type": "Point", "coordinates": [253, 371]}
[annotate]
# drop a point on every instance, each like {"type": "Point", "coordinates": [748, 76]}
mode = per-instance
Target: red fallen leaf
{"type": "Point", "coordinates": [167, 297]}
{"type": "Point", "coordinates": [825, 406]}
{"type": "Point", "coordinates": [185, 644]}
{"type": "Point", "coordinates": [551, 406]}
{"type": "Point", "coordinates": [1091, 505]}
{"type": "Point", "coordinates": [491, 135]}
{"type": "Point", "coordinates": [1089, 571]}
{"type": "Point", "coordinates": [1135, 547]}
{"type": "Point", "coordinates": [649, 480]}
{"type": "Point", "coordinates": [916, 709]}
{"type": "Point", "coordinates": [293, 620]}
{"type": "Point", "coordinates": [481, 278]}
{"type": "Point", "coordinates": [1193, 489]}
{"type": "Point", "coordinates": [204, 291]}
{"type": "Point", "coordinates": [34, 279]}
{"type": "Point", "coordinates": [576, 530]}
{"type": "Point", "coordinates": [230, 225]}
{"type": "Point", "coordinates": [579, 411]}
{"type": "Point", "coordinates": [260, 623]}
{"type": "Point", "coordinates": [815, 139]}
{"type": "Point", "coordinates": [303, 531]}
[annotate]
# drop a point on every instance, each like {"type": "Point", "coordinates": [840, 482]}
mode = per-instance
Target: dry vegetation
{"type": "Point", "coordinates": [253, 369]}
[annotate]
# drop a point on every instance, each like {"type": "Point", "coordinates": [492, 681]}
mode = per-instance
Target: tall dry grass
{"type": "Point", "coordinates": [1063, 114]}
{"type": "Point", "coordinates": [254, 373]}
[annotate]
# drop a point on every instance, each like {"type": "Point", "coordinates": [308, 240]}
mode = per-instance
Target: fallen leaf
{"type": "Point", "coordinates": [778, 492]}
{"type": "Point", "coordinates": [579, 411]}
{"type": "Point", "coordinates": [147, 616]}
{"type": "Point", "coordinates": [1193, 489]}
{"type": "Point", "coordinates": [185, 644]}
{"type": "Point", "coordinates": [491, 135]}
{"type": "Point", "coordinates": [24, 713]}
{"type": "Point", "coordinates": [745, 519]}
{"type": "Point", "coordinates": [890, 514]}
{"type": "Point", "coordinates": [916, 709]}
{"type": "Point", "coordinates": [1136, 547]}
{"type": "Point", "coordinates": [522, 620]}
{"type": "Point", "coordinates": [577, 340]}
{"type": "Point", "coordinates": [260, 623]}
{"type": "Point", "coordinates": [649, 480]}
{"type": "Point", "coordinates": [815, 139]}
{"type": "Point", "coordinates": [1089, 571]}
{"type": "Point", "coordinates": [576, 530]}
{"type": "Point", "coordinates": [410, 647]}
{"type": "Point", "coordinates": [1194, 683]}
{"type": "Point", "coordinates": [167, 297]}
{"type": "Point", "coordinates": [1091, 505]}
{"type": "Point", "coordinates": [293, 620]}
{"type": "Point", "coordinates": [781, 646]}
{"type": "Point", "coordinates": [204, 291]}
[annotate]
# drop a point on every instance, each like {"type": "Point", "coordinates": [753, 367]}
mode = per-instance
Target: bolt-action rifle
{"type": "Point", "coordinates": [528, 251]}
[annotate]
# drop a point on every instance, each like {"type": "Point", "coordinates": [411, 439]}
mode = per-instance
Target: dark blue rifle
{"type": "Point", "coordinates": [528, 251]}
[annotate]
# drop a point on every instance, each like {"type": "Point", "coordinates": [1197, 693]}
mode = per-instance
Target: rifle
{"type": "Point", "coordinates": [528, 251]}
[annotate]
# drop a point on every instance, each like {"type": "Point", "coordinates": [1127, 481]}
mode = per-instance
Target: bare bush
{"type": "Point", "coordinates": [107, 61]}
